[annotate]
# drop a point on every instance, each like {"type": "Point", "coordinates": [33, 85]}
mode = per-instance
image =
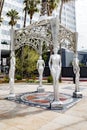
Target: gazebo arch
{"type": "Point", "coordinates": [35, 41]}
{"type": "Point", "coordinates": [34, 35]}
{"type": "Point", "coordinates": [42, 32]}
{"type": "Point", "coordinates": [68, 35]}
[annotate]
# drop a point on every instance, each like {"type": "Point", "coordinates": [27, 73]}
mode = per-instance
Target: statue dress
{"type": "Point", "coordinates": [40, 67]}
{"type": "Point", "coordinates": [55, 68]}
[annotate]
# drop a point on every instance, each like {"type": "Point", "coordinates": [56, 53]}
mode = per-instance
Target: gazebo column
{"type": "Point", "coordinates": [55, 65]}
{"type": "Point", "coordinates": [12, 67]}
{"type": "Point", "coordinates": [76, 69]}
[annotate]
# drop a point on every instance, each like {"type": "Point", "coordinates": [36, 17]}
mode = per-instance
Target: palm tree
{"type": "Point", "coordinates": [30, 7]}
{"type": "Point", "coordinates": [61, 7]}
{"type": "Point", "coordinates": [52, 4]}
{"type": "Point", "coordinates": [48, 6]}
{"type": "Point", "coordinates": [13, 14]}
{"type": "Point", "coordinates": [25, 11]}
{"type": "Point", "coordinates": [1, 7]}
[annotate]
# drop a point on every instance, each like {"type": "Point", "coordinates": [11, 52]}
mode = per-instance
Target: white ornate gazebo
{"type": "Point", "coordinates": [40, 33]}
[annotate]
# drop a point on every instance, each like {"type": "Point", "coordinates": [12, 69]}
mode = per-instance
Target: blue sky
{"type": "Point", "coordinates": [81, 19]}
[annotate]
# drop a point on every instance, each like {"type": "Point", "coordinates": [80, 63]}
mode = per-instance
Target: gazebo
{"type": "Point", "coordinates": [49, 32]}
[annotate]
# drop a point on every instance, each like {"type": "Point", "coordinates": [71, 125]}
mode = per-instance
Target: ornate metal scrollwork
{"type": "Point", "coordinates": [41, 32]}
{"type": "Point", "coordinates": [34, 35]}
{"type": "Point", "coordinates": [66, 38]}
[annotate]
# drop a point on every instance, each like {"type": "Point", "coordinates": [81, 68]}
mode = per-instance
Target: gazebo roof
{"type": "Point", "coordinates": [41, 33]}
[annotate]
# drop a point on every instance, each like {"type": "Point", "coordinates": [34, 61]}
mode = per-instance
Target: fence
{"type": "Point", "coordinates": [68, 72]}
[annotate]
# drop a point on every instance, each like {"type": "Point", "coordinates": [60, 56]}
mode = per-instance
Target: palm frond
{"type": "Point", "coordinates": [13, 14]}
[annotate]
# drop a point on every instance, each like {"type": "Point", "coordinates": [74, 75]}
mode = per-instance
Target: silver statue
{"type": "Point", "coordinates": [76, 70]}
{"type": "Point", "coordinates": [55, 68]}
{"type": "Point", "coordinates": [12, 73]}
{"type": "Point", "coordinates": [40, 67]}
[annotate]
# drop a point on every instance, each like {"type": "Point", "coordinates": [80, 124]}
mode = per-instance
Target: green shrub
{"type": "Point", "coordinates": [34, 77]}
{"type": "Point", "coordinates": [49, 79]}
{"type": "Point", "coordinates": [18, 77]}
{"type": "Point", "coordinates": [30, 80]}
{"type": "Point", "coordinates": [27, 80]}
{"type": "Point", "coordinates": [6, 79]}
{"type": "Point", "coordinates": [82, 65]}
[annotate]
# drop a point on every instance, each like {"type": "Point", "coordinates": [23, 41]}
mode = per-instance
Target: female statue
{"type": "Point", "coordinates": [76, 70]}
{"type": "Point", "coordinates": [40, 67]}
{"type": "Point", "coordinates": [12, 72]}
{"type": "Point", "coordinates": [55, 68]}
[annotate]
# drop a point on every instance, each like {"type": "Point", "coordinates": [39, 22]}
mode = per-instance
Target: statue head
{"type": "Point", "coordinates": [40, 58]}
{"type": "Point", "coordinates": [55, 50]}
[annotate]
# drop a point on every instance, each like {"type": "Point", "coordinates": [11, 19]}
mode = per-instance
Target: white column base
{"type": "Point", "coordinates": [11, 96]}
{"type": "Point", "coordinates": [56, 105]}
{"type": "Point", "coordinates": [40, 89]}
{"type": "Point", "coordinates": [77, 94]}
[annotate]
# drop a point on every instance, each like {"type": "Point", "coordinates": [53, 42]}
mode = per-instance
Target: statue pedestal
{"type": "Point", "coordinates": [40, 89]}
{"type": "Point", "coordinates": [56, 105]}
{"type": "Point", "coordinates": [77, 94]}
{"type": "Point", "coordinates": [11, 96]}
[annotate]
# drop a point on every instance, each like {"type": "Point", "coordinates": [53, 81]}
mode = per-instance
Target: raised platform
{"type": "Point", "coordinates": [44, 100]}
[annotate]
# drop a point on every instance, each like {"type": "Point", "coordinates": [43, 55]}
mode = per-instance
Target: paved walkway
{"type": "Point", "coordinates": [15, 116]}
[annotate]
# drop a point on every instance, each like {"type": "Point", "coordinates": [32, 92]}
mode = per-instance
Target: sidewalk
{"type": "Point", "coordinates": [14, 116]}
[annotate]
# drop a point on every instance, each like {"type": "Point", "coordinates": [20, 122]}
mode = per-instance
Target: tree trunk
{"type": "Point", "coordinates": [31, 18]}
{"type": "Point", "coordinates": [60, 11]}
{"type": "Point", "coordinates": [1, 7]}
{"type": "Point", "coordinates": [25, 18]}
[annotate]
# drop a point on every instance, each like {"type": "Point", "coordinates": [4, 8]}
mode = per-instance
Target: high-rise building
{"type": "Point", "coordinates": [5, 28]}
{"type": "Point", "coordinates": [69, 15]}
{"type": "Point", "coordinates": [68, 19]}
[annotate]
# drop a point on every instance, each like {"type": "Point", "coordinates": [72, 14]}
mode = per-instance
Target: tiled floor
{"type": "Point", "coordinates": [14, 116]}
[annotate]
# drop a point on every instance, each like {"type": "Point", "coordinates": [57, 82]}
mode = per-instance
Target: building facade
{"type": "Point", "coordinates": [69, 16]}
